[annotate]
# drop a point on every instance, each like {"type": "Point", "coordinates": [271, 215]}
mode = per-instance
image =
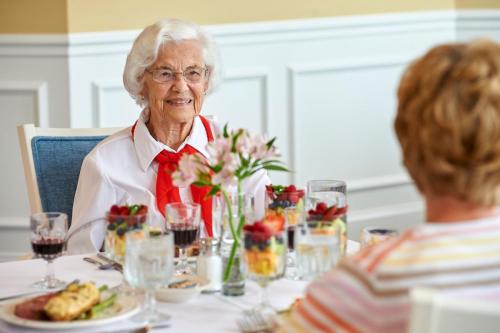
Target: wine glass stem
{"type": "Point", "coordinates": [183, 259]}
{"type": "Point", "coordinates": [149, 301]}
{"type": "Point", "coordinates": [49, 276]}
{"type": "Point", "coordinates": [264, 298]}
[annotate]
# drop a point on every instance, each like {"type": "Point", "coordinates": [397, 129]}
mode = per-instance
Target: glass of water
{"type": "Point", "coordinates": [330, 193]}
{"type": "Point", "coordinates": [149, 264]}
{"type": "Point", "coordinates": [317, 248]}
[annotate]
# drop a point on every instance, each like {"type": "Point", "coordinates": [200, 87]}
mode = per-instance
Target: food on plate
{"type": "Point", "coordinates": [183, 284]}
{"type": "Point", "coordinates": [77, 301]}
{"type": "Point", "coordinates": [72, 302]}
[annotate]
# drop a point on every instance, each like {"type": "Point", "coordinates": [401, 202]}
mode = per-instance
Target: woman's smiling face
{"type": "Point", "coordinates": [177, 100]}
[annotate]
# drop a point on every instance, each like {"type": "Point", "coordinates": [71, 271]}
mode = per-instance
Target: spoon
{"type": "Point", "coordinates": [98, 263]}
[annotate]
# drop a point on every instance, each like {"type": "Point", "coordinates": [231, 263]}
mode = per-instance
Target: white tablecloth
{"type": "Point", "coordinates": [208, 313]}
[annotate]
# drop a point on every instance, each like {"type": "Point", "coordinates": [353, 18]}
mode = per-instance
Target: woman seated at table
{"type": "Point", "coordinates": [448, 125]}
{"type": "Point", "coordinates": [172, 66]}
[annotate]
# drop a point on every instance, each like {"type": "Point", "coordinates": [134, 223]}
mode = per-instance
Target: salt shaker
{"type": "Point", "coordinates": [209, 264]}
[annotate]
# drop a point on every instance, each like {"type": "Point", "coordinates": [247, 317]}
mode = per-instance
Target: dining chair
{"type": "Point", "coordinates": [52, 158]}
{"type": "Point", "coordinates": [433, 311]}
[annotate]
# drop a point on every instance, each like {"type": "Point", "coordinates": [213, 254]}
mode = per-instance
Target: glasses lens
{"type": "Point", "coordinates": [163, 75]}
{"type": "Point", "coordinates": [194, 74]}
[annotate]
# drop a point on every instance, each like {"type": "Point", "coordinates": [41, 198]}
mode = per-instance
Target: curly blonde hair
{"type": "Point", "coordinates": [448, 121]}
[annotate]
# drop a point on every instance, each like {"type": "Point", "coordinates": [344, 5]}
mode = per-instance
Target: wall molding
{"type": "Point", "coordinates": [99, 88]}
{"type": "Point", "coordinates": [361, 216]}
{"type": "Point", "coordinates": [296, 69]}
{"type": "Point", "coordinates": [39, 89]}
{"type": "Point", "coordinates": [261, 74]}
{"type": "Point", "coordinates": [117, 42]}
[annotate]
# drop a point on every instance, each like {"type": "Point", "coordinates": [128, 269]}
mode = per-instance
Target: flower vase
{"type": "Point", "coordinates": [238, 210]}
{"type": "Point", "coordinates": [235, 284]}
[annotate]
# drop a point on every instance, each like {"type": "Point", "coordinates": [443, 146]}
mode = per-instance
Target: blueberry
{"type": "Point", "coordinates": [120, 231]}
{"type": "Point", "coordinates": [111, 226]}
{"type": "Point", "coordinates": [287, 203]}
{"type": "Point", "coordinates": [248, 243]}
{"type": "Point", "coordinates": [262, 246]}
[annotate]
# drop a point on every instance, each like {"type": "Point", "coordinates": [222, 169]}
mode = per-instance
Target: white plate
{"type": "Point", "coordinates": [179, 295]}
{"type": "Point", "coordinates": [124, 307]}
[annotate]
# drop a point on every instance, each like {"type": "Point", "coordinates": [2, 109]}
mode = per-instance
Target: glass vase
{"type": "Point", "coordinates": [238, 209]}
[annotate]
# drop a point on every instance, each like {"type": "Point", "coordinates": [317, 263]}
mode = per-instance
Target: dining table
{"type": "Point", "coordinates": [204, 312]}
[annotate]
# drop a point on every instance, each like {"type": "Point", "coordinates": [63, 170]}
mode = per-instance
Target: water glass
{"type": "Point", "coordinates": [375, 235]}
{"type": "Point", "coordinates": [331, 193]}
{"type": "Point", "coordinates": [317, 248]}
{"type": "Point", "coordinates": [149, 262]}
{"type": "Point", "coordinates": [48, 240]}
{"type": "Point", "coordinates": [183, 220]}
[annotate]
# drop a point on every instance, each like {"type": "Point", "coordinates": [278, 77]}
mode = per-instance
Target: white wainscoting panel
{"type": "Point", "coordinates": [325, 87]}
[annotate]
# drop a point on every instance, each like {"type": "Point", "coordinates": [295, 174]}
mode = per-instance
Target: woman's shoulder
{"type": "Point", "coordinates": [112, 144]}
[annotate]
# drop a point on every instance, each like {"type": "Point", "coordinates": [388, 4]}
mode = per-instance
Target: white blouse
{"type": "Point", "coordinates": [121, 171]}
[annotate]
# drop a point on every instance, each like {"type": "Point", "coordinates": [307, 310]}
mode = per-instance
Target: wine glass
{"type": "Point", "coordinates": [375, 235]}
{"type": "Point", "coordinates": [149, 262]}
{"type": "Point", "coordinates": [48, 239]}
{"type": "Point", "coordinates": [264, 259]}
{"type": "Point", "coordinates": [183, 220]}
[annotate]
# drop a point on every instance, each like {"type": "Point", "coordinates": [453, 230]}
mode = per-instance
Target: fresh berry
{"type": "Point", "coordinates": [321, 207]}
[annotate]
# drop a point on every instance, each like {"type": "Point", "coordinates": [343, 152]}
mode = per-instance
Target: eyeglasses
{"type": "Point", "coordinates": [192, 74]}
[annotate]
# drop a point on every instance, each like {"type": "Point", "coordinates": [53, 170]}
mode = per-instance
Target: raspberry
{"type": "Point", "coordinates": [115, 209]}
{"type": "Point", "coordinates": [291, 188]}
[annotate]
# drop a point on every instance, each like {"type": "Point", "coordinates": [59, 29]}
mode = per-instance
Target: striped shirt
{"type": "Point", "coordinates": [369, 292]}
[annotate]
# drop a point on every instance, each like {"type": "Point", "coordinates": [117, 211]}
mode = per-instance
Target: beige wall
{"type": "Point", "coordinates": [61, 16]}
{"type": "Point", "coordinates": [84, 17]}
{"type": "Point", "coordinates": [477, 4]}
{"type": "Point", "coordinates": [33, 16]}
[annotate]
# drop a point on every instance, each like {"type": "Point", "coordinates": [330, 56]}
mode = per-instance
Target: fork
{"type": "Point", "coordinates": [254, 322]}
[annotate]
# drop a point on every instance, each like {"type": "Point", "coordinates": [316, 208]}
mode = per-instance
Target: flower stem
{"type": "Point", "coordinates": [229, 205]}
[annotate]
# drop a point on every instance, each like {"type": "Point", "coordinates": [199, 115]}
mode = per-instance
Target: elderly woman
{"type": "Point", "coordinates": [448, 125]}
{"type": "Point", "coordinates": [172, 66]}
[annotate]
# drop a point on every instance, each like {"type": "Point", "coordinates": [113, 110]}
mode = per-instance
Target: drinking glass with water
{"type": "Point", "coordinates": [317, 246]}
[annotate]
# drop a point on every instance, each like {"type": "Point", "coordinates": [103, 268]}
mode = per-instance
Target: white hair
{"type": "Point", "coordinates": [147, 46]}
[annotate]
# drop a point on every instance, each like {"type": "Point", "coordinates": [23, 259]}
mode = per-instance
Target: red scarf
{"type": "Point", "coordinates": [167, 192]}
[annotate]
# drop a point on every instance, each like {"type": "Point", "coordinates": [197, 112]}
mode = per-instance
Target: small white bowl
{"type": "Point", "coordinates": [180, 295]}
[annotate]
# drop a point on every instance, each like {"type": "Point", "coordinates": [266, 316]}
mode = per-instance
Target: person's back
{"type": "Point", "coordinates": [448, 125]}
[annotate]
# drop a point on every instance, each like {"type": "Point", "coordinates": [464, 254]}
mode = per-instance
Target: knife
{"type": "Point", "coordinates": [116, 265]}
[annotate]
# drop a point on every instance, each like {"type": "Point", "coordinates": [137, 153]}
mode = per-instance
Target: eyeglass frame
{"type": "Point", "coordinates": [151, 71]}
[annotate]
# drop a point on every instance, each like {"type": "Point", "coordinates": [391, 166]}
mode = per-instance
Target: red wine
{"type": "Point", "coordinates": [184, 236]}
{"type": "Point", "coordinates": [48, 248]}
{"type": "Point", "coordinates": [291, 234]}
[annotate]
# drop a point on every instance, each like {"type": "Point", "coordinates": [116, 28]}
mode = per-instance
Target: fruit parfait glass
{"type": "Point", "coordinates": [264, 258]}
{"type": "Point", "coordinates": [285, 206]}
{"type": "Point", "coordinates": [120, 220]}
{"type": "Point", "coordinates": [323, 216]}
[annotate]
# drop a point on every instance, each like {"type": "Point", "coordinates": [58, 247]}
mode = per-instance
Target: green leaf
{"type": "Point", "coordinates": [224, 132]}
{"type": "Point", "coordinates": [275, 168]}
{"type": "Point", "coordinates": [270, 143]}
{"type": "Point", "coordinates": [215, 189]}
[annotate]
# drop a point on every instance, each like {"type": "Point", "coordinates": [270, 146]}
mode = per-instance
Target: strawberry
{"type": "Point", "coordinates": [330, 213]}
{"type": "Point", "coordinates": [293, 197]}
{"type": "Point", "coordinates": [291, 188]}
{"type": "Point", "coordinates": [115, 209]}
{"type": "Point", "coordinates": [321, 207]}
{"type": "Point", "coordinates": [123, 211]}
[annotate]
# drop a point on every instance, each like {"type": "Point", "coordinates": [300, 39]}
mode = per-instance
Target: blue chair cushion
{"type": "Point", "coordinates": [57, 165]}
